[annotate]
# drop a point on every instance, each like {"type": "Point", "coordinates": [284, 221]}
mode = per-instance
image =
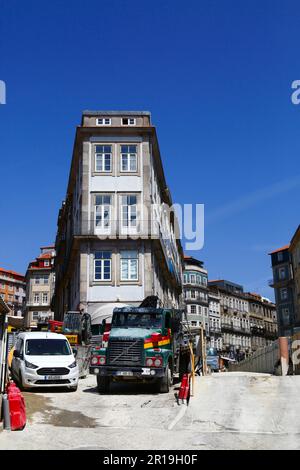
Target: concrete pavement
{"type": "Point", "coordinates": [229, 411]}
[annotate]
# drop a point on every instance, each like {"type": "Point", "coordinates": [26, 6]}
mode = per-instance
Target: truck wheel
{"type": "Point", "coordinates": [103, 384]}
{"type": "Point", "coordinates": [165, 382]}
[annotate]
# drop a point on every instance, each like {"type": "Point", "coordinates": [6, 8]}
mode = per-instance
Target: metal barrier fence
{"type": "Point", "coordinates": [263, 360]}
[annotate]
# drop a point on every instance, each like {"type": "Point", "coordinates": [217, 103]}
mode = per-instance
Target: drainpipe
{"type": "Point", "coordinates": [284, 354]}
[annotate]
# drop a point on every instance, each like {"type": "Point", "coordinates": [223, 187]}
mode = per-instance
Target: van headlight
{"type": "Point", "coordinates": [74, 364]}
{"type": "Point", "coordinates": [29, 365]}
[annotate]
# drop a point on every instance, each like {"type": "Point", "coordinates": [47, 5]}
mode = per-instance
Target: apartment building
{"type": "Point", "coordinates": [13, 290]}
{"type": "Point", "coordinates": [116, 243]}
{"type": "Point", "coordinates": [196, 293]}
{"type": "Point", "coordinates": [215, 331]}
{"type": "Point", "coordinates": [40, 283]}
{"type": "Point", "coordinates": [263, 321]}
{"type": "Point", "coordinates": [235, 321]}
{"type": "Point", "coordinates": [294, 251]}
{"type": "Point", "coordinates": [283, 284]}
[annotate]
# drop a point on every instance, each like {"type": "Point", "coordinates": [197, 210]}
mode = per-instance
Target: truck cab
{"type": "Point", "coordinates": [142, 345]}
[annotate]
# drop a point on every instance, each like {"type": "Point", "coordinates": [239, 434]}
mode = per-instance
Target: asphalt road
{"type": "Point", "coordinates": [229, 411]}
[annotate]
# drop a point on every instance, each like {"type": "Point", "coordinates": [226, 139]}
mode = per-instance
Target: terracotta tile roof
{"type": "Point", "coordinates": [45, 255]}
{"type": "Point", "coordinates": [285, 247]}
{"type": "Point", "coordinates": [13, 273]}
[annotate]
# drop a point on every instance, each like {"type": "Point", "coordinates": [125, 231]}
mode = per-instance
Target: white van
{"type": "Point", "coordinates": [43, 359]}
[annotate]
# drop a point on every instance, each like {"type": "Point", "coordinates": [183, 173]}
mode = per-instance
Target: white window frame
{"type": "Point", "coordinates": [130, 261]}
{"type": "Point", "coordinates": [46, 262]}
{"type": "Point", "coordinates": [129, 227]}
{"type": "Point", "coordinates": [280, 271]}
{"type": "Point", "coordinates": [131, 121]}
{"type": "Point", "coordinates": [103, 121]}
{"type": "Point", "coordinates": [36, 295]}
{"type": "Point", "coordinates": [193, 306]}
{"type": "Point", "coordinates": [44, 302]}
{"type": "Point", "coordinates": [128, 156]}
{"type": "Point", "coordinates": [101, 262]}
{"type": "Point", "coordinates": [103, 154]}
{"type": "Point", "coordinates": [103, 208]}
{"type": "Point", "coordinates": [283, 297]}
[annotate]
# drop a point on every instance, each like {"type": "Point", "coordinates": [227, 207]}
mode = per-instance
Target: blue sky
{"type": "Point", "coordinates": [216, 76]}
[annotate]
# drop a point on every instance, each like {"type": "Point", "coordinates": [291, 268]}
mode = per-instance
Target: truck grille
{"type": "Point", "coordinates": [53, 371]}
{"type": "Point", "coordinates": [125, 352]}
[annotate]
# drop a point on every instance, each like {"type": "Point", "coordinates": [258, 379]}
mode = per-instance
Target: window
{"type": "Point", "coordinates": [46, 263]}
{"type": "Point", "coordinates": [283, 293]}
{"type": "Point", "coordinates": [280, 256]}
{"type": "Point", "coordinates": [285, 312]}
{"type": "Point", "coordinates": [193, 278]}
{"type": "Point", "coordinates": [193, 308]}
{"type": "Point", "coordinates": [36, 298]}
{"type": "Point", "coordinates": [45, 298]}
{"type": "Point", "coordinates": [103, 158]}
{"type": "Point", "coordinates": [103, 121]}
{"type": "Point", "coordinates": [193, 294]}
{"type": "Point", "coordinates": [103, 211]}
{"type": "Point", "coordinates": [42, 279]}
{"type": "Point", "coordinates": [128, 121]}
{"type": "Point", "coordinates": [128, 158]}
{"type": "Point", "coordinates": [129, 265]}
{"type": "Point", "coordinates": [128, 211]}
{"type": "Point", "coordinates": [281, 273]}
{"type": "Point", "coordinates": [102, 266]}
{"type": "Point", "coordinates": [185, 278]}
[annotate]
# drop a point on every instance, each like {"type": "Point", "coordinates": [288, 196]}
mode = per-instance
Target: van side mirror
{"type": "Point", "coordinates": [16, 353]}
{"type": "Point", "coordinates": [75, 352]}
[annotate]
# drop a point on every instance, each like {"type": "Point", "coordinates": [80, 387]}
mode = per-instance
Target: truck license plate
{"type": "Point", "coordinates": [52, 377]}
{"type": "Point", "coordinates": [127, 373]}
{"type": "Point", "coordinates": [146, 371]}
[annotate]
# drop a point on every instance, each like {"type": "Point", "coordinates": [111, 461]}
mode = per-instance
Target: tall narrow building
{"type": "Point", "coordinates": [115, 244]}
{"type": "Point", "coordinates": [196, 293]}
{"type": "Point", "coordinates": [283, 284]}
{"type": "Point", "coordinates": [40, 282]}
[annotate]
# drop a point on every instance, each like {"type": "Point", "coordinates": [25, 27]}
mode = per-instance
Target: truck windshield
{"type": "Point", "coordinates": [47, 347]}
{"type": "Point", "coordinates": [140, 320]}
{"type": "Point", "coordinates": [72, 323]}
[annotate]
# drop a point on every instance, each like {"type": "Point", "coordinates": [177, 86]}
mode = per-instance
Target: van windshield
{"type": "Point", "coordinates": [47, 347]}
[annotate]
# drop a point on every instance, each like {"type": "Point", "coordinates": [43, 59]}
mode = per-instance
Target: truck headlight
{"type": "Point", "coordinates": [158, 362]}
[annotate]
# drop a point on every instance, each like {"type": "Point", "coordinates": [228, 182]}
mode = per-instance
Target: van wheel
{"type": "Point", "coordinates": [165, 382]}
{"type": "Point", "coordinates": [103, 384]}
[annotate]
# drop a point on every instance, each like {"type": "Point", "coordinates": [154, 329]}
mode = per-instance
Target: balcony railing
{"type": "Point", "coordinates": [236, 328]}
{"type": "Point", "coordinates": [215, 329]}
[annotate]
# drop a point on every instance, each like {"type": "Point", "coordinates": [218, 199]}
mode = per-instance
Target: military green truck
{"type": "Point", "coordinates": [144, 344]}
